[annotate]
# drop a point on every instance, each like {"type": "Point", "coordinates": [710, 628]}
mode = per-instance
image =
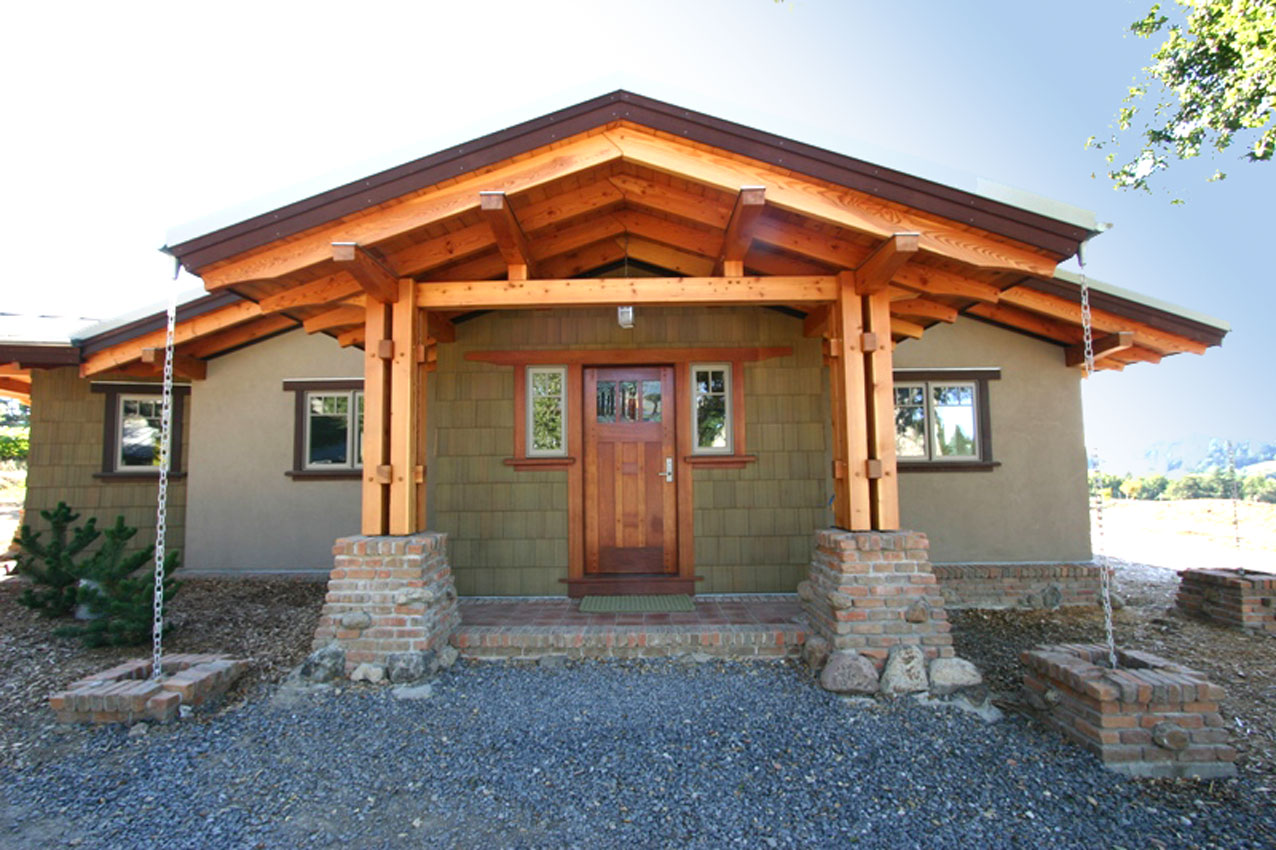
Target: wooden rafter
{"type": "Point", "coordinates": [877, 272]}
{"type": "Point", "coordinates": [377, 279]}
{"type": "Point", "coordinates": [576, 236]}
{"type": "Point", "coordinates": [15, 386]}
{"type": "Point", "coordinates": [643, 193]}
{"type": "Point", "coordinates": [604, 292]}
{"type": "Point", "coordinates": [222, 341]}
{"type": "Point", "coordinates": [188, 330]}
{"type": "Point", "coordinates": [837, 206]}
{"type": "Point", "coordinates": [1103, 321]}
{"type": "Point", "coordinates": [184, 366]}
{"type": "Point", "coordinates": [1023, 320]}
{"type": "Point", "coordinates": [706, 243]}
{"type": "Point", "coordinates": [342, 316]}
{"type": "Point", "coordinates": [1103, 347]}
{"type": "Point", "coordinates": [326, 290]}
{"type": "Point", "coordinates": [924, 308]}
{"type": "Point", "coordinates": [901, 327]}
{"type": "Point", "coordinates": [749, 204]}
{"type": "Point", "coordinates": [420, 210]}
{"type": "Point", "coordinates": [508, 233]}
{"type": "Point", "coordinates": [581, 260]}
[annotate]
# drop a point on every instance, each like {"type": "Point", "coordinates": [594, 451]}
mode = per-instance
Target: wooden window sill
{"type": "Point", "coordinates": [949, 466]}
{"type": "Point", "coordinates": [539, 462]}
{"type": "Point", "coordinates": [325, 474]}
{"type": "Point", "coordinates": [149, 477]}
{"type": "Point", "coordinates": [720, 461]}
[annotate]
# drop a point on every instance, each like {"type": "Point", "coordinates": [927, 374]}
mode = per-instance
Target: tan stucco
{"type": "Point", "coordinates": [245, 514]}
{"type": "Point", "coordinates": [1033, 507]}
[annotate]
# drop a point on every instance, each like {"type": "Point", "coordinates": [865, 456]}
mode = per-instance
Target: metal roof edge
{"type": "Point", "coordinates": [1148, 301]}
{"type": "Point", "coordinates": [191, 303]}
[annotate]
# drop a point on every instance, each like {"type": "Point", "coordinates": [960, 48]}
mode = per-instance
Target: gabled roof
{"type": "Point", "coordinates": [1053, 234]}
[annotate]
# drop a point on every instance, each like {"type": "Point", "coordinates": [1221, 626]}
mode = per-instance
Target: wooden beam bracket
{"type": "Point", "coordinates": [1104, 346]}
{"type": "Point", "coordinates": [378, 280]}
{"type": "Point", "coordinates": [875, 273]}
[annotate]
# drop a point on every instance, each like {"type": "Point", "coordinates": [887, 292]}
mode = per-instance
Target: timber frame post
{"type": "Point", "coordinates": [394, 415]}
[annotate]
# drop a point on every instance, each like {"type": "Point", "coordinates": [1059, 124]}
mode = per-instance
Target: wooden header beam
{"type": "Point", "coordinates": [749, 204]}
{"type": "Point", "coordinates": [610, 292]}
{"type": "Point", "coordinates": [1104, 347]}
{"type": "Point", "coordinates": [378, 281]}
{"type": "Point", "coordinates": [510, 239]}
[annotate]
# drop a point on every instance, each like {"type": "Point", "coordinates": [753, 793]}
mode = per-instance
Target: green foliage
{"type": "Point", "coordinates": [1215, 78]}
{"type": "Point", "coordinates": [118, 594]}
{"type": "Point", "coordinates": [52, 566]}
{"type": "Point", "coordinates": [1106, 484]}
{"type": "Point", "coordinates": [15, 443]}
{"type": "Point", "coordinates": [1257, 488]}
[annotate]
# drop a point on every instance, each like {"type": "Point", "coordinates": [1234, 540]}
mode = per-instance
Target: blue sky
{"type": "Point", "coordinates": [134, 120]}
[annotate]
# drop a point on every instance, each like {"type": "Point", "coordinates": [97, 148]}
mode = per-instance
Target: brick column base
{"type": "Point", "coordinates": [388, 596]}
{"type": "Point", "coordinates": [869, 591]}
{"type": "Point", "coordinates": [1236, 598]}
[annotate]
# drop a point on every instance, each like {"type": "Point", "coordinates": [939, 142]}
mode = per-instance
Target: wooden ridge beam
{"type": "Point", "coordinates": [835, 205]}
{"type": "Point", "coordinates": [184, 366]}
{"type": "Point", "coordinates": [421, 210]}
{"type": "Point", "coordinates": [607, 292]}
{"type": "Point", "coordinates": [925, 309]}
{"type": "Point", "coordinates": [1103, 347]}
{"type": "Point", "coordinates": [749, 203]}
{"type": "Point", "coordinates": [378, 280]}
{"type": "Point", "coordinates": [186, 331]}
{"type": "Point", "coordinates": [346, 314]}
{"type": "Point", "coordinates": [508, 233]}
{"type": "Point", "coordinates": [877, 272]}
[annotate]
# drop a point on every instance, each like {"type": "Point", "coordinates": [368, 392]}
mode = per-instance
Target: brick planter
{"type": "Point", "coordinates": [127, 694]}
{"type": "Point", "coordinates": [388, 596]}
{"type": "Point", "coordinates": [871, 590]}
{"type": "Point", "coordinates": [1149, 717]}
{"type": "Point", "coordinates": [1237, 598]}
{"type": "Point", "coordinates": [1018, 585]}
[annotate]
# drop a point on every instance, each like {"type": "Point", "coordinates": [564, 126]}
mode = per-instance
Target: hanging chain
{"type": "Point", "coordinates": [1236, 497]}
{"type": "Point", "coordinates": [161, 502]}
{"type": "Point", "coordinates": [1105, 568]}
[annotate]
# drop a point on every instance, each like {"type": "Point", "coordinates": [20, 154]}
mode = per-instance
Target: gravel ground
{"type": "Point", "coordinates": [604, 755]}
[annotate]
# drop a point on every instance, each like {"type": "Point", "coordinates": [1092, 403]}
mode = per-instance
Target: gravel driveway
{"type": "Point", "coordinates": [636, 754]}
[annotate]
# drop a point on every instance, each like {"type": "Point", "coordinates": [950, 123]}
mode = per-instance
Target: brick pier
{"type": "Point", "coordinates": [1238, 598]}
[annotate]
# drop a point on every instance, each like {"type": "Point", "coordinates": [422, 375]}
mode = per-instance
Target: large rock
{"type": "Point", "coordinates": [324, 664]}
{"type": "Point", "coordinates": [905, 671]}
{"type": "Point", "coordinates": [848, 672]}
{"type": "Point", "coordinates": [949, 675]}
{"type": "Point", "coordinates": [447, 656]}
{"type": "Point", "coordinates": [413, 596]}
{"type": "Point", "coordinates": [356, 620]}
{"type": "Point", "coordinates": [408, 666]}
{"type": "Point", "coordinates": [841, 601]}
{"type": "Point", "coordinates": [1052, 597]}
{"type": "Point", "coordinates": [368, 673]}
{"type": "Point", "coordinates": [805, 592]}
{"type": "Point", "coordinates": [815, 652]}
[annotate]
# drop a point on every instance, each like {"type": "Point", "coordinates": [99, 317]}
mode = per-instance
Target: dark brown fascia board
{"type": "Point", "coordinates": [157, 321]}
{"type": "Point", "coordinates": [1160, 319]}
{"type": "Point", "coordinates": [39, 355]}
{"type": "Point", "coordinates": [1051, 235]}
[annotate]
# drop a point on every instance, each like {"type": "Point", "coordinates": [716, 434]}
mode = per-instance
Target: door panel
{"type": "Point", "coordinates": [630, 507]}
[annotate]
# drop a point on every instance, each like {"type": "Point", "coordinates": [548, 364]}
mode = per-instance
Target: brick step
{"type": "Point", "coordinates": [731, 641]}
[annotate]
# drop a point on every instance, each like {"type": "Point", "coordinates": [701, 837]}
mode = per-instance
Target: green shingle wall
{"type": "Point", "coordinates": [66, 451]}
{"type": "Point", "coordinates": [508, 529]}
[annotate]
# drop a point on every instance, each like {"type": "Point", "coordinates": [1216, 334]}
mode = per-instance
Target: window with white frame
{"type": "Point", "coordinates": [131, 429]}
{"type": "Point", "coordinates": [711, 408]}
{"type": "Point", "coordinates": [138, 448]}
{"type": "Point", "coordinates": [546, 411]}
{"type": "Point", "coordinates": [941, 420]}
{"type": "Point", "coordinates": [333, 429]}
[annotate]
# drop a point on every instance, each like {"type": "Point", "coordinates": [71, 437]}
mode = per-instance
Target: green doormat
{"type": "Point", "coordinates": [656, 604]}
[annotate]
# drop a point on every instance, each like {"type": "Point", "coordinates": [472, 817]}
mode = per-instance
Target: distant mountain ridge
{"type": "Point", "coordinates": [1199, 453]}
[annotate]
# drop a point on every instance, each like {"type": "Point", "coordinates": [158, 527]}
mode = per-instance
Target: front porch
{"type": "Point", "coordinates": [722, 626]}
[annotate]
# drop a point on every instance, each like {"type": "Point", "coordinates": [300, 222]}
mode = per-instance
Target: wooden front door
{"type": "Point", "coordinates": [630, 495]}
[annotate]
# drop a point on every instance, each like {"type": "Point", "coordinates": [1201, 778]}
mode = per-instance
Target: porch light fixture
{"type": "Point", "coordinates": [625, 316]}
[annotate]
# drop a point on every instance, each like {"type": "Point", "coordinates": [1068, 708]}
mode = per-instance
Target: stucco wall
{"type": "Point", "coordinates": [1033, 507]}
{"type": "Point", "coordinates": [66, 451]}
{"type": "Point", "coordinates": [245, 514]}
{"type": "Point", "coordinates": [508, 529]}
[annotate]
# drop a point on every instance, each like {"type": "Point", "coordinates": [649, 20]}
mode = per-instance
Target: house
{"type": "Point", "coordinates": [620, 348]}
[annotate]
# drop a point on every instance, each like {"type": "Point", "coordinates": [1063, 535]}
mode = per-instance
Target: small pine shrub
{"type": "Point", "coordinates": [119, 595]}
{"type": "Point", "coordinates": [52, 567]}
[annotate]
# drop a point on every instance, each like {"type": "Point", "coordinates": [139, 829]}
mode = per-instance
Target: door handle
{"type": "Point", "coordinates": [668, 473]}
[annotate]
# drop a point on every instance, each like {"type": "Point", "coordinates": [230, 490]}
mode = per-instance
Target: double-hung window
{"type": "Point", "coordinates": [943, 419]}
{"type": "Point", "coordinates": [546, 411]}
{"type": "Point", "coordinates": [131, 429]}
{"type": "Point", "coordinates": [328, 428]}
{"type": "Point", "coordinates": [711, 408]}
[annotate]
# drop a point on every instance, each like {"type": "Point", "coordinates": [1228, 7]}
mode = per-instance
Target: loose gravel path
{"type": "Point", "coordinates": [628, 754]}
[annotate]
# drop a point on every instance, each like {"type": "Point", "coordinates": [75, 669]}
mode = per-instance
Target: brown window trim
{"type": "Point", "coordinates": [980, 377]}
{"type": "Point", "coordinates": [111, 425]}
{"type": "Point", "coordinates": [299, 387]}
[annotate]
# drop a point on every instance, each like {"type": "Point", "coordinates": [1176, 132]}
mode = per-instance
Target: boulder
{"type": "Point", "coordinates": [324, 664]}
{"type": "Point", "coordinates": [848, 672]}
{"type": "Point", "coordinates": [905, 671]}
{"type": "Point", "coordinates": [408, 666]}
{"type": "Point", "coordinates": [368, 673]}
{"type": "Point", "coordinates": [805, 592]}
{"type": "Point", "coordinates": [1170, 736]}
{"type": "Point", "coordinates": [815, 652]}
{"type": "Point", "coordinates": [413, 691]}
{"type": "Point", "coordinates": [918, 612]}
{"type": "Point", "coordinates": [949, 675]}
{"type": "Point", "coordinates": [1052, 597]}
{"type": "Point", "coordinates": [358, 620]}
{"type": "Point", "coordinates": [413, 596]}
{"type": "Point", "coordinates": [446, 656]}
{"type": "Point", "coordinates": [841, 601]}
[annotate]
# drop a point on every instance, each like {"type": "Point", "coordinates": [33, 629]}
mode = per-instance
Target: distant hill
{"type": "Point", "coordinates": [1199, 453]}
